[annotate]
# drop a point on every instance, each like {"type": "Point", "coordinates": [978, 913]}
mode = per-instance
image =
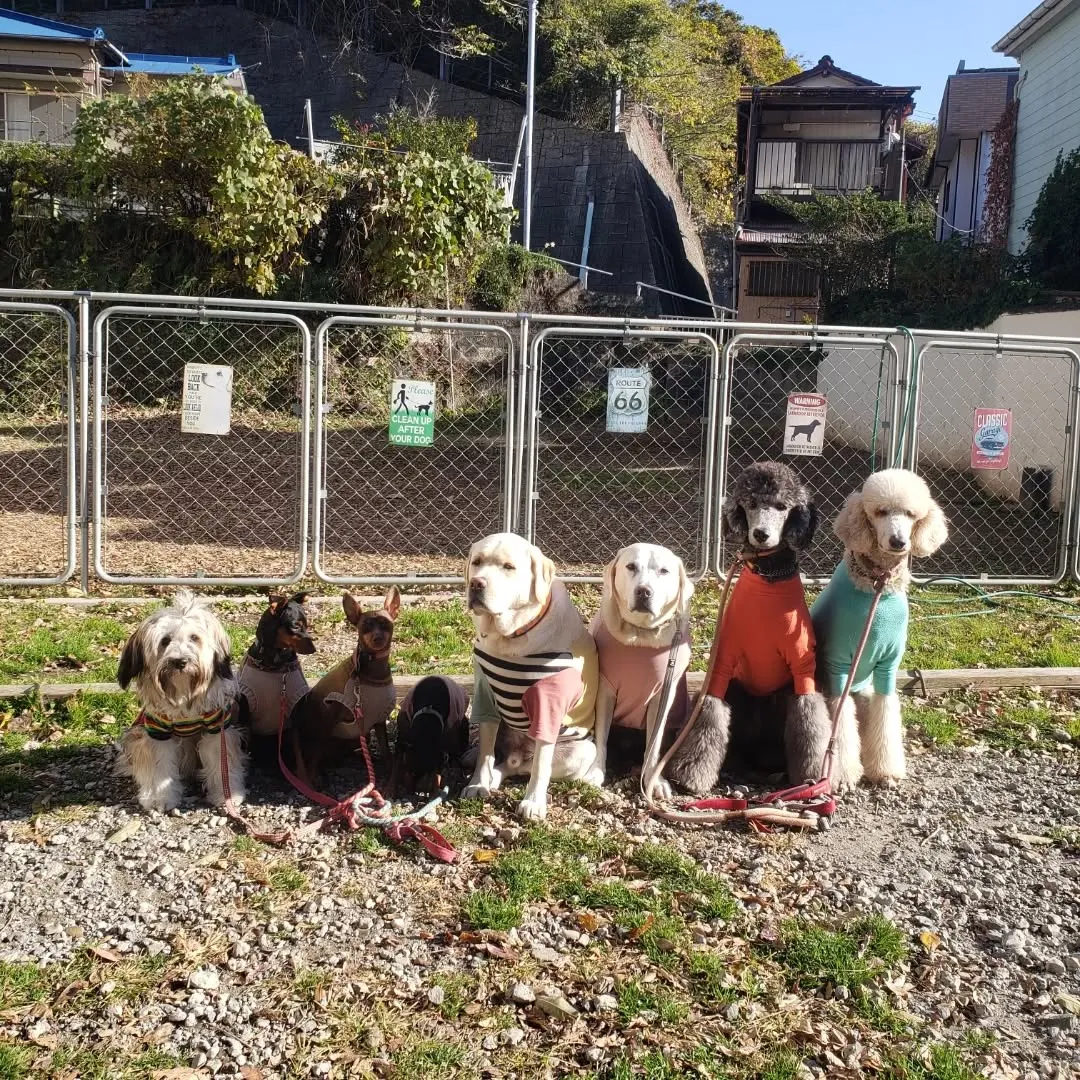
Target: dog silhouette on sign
{"type": "Point", "coordinates": [805, 429]}
{"type": "Point", "coordinates": [424, 409]}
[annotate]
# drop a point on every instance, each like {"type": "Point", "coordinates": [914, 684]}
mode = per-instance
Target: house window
{"type": "Point", "coordinates": [777, 277]}
{"type": "Point", "coordinates": [38, 117]}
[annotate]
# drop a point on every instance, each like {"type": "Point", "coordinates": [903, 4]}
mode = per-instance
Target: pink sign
{"type": "Point", "coordinates": [991, 438]}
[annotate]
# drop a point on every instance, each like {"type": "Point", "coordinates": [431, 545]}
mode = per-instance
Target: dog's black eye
{"type": "Point", "coordinates": [195, 639]}
{"type": "Point", "coordinates": [911, 514]}
{"type": "Point", "coordinates": [780, 506]}
{"type": "Point", "coordinates": [663, 570]}
{"type": "Point", "coordinates": [166, 641]}
{"type": "Point", "coordinates": [509, 567]}
{"type": "Point", "coordinates": [881, 512]}
{"type": "Point", "coordinates": [632, 567]}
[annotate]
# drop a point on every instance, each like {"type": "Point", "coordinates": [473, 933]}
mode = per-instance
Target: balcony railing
{"type": "Point", "coordinates": [795, 167]}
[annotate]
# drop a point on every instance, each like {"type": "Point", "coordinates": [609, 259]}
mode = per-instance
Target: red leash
{"type": "Point", "coordinates": [350, 811]}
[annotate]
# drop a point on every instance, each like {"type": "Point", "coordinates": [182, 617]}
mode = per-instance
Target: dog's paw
{"type": "Point", "coordinates": [661, 790]}
{"type": "Point", "coordinates": [532, 809]}
{"type": "Point", "coordinates": [595, 776]}
{"type": "Point", "coordinates": [157, 802]}
{"type": "Point", "coordinates": [476, 791]}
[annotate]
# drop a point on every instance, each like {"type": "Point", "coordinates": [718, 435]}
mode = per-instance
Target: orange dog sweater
{"type": "Point", "coordinates": [766, 638]}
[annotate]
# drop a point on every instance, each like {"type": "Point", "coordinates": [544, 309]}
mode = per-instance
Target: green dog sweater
{"type": "Point", "coordinates": [839, 615]}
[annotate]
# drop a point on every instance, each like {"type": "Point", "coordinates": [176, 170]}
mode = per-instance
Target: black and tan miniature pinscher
{"type": "Point", "coordinates": [271, 680]}
{"type": "Point", "coordinates": [432, 733]}
{"type": "Point", "coordinates": [354, 699]}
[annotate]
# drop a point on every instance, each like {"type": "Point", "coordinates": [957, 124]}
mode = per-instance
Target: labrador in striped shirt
{"type": "Point", "coordinates": [535, 673]}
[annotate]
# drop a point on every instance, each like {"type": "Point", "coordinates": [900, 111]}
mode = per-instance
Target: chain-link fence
{"type": "Point", "coordinates": [38, 438]}
{"type": "Point", "coordinates": [621, 447]}
{"type": "Point", "coordinates": [201, 446]}
{"type": "Point", "coordinates": [415, 446]}
{"type": "Point", "coordinates": [843, 424]}
{"type": "Point", "coordinates": [611, 432]}
{"type": "Point", "coordinates": [1008, 408]}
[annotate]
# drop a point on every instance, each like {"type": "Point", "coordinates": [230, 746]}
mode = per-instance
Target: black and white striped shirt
{"type": "Point", "coordinates": [509, 679]}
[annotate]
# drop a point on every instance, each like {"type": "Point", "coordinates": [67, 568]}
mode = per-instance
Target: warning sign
{"type": "Point", "coordinates": [991, 438]}
{"type": "Point", "coordinates": [628, 399]}
{"type": "Point", "coordinates": [804, 434]}
{"type": "Point", "coordinates": [206, 406]}
{"type": "Point", "coordinates": [412, 413]}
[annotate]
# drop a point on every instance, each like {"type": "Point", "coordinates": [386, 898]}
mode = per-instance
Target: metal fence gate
{"type": "Point", "coordinates": [529, 435]}
{"type": "Point", "coordinates": [387, 512]}
{"type": "Point", "coordinates": [590, 490]}
{"type": "Point", "coordinates": [39, 431]}
{"type": "Point", "coordinates": [173, 507]}
{"type": "Point", "coordinates": [861, 379]}
{"type": "Point", "coordinates": [1004, 524]}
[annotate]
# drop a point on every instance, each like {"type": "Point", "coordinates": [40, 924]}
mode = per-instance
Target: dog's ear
{"type": "Point", "coordinates": [686, 589]}
{"type": "Point", "coordinates": [351, 606]}
{"type": "Point", "coordinates": [607, 590]}
{"type": "Point", "coordinates": [930, 532]}
{"type": "Point", "coordinates": [300, 598]}
{"type": "Point", "coordinates": [132, 661]}
{"type": "Point", "coordinates": [801, 525]}
{"type": "Point", "coordinates": [277, 601]}
{"type": "Point", "coordinates": [543, 574]}
{"type": "Point", "coordinates": [392, 601]}
{"type": "Point", "coordinates": [222, 653]}
{"type": "Point", "coordinates": [468, 568]}
{"type": "Point", "coordinates": [734, 528]}
{"type": "Point", "coordinates": [852, 527]}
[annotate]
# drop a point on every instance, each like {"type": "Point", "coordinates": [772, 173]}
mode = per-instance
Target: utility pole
{"type": "Point", "coordinates": [530, 109]}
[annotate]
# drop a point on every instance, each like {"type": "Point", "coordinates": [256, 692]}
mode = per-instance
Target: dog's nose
{"type": "Point", "coordinates": [760, 535]}
{"type": "Point", "coordinates": [179, 663]}
{"type": "Point", "coordinates": [897, 543]}
{"type": "Point", "coordinates": [477, 585]}
{"type": "Point", "coordinates": [643, 592]}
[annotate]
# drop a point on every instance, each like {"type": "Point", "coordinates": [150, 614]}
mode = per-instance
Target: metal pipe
{"type": "Point", "coordinates": [309, 126]}
{"type": "Point", "coordinates": [682, 296]}
{"type": "Point", "coordinates": [530, 122]}
{"type": "Point", "coordinates": [583, 271]}
{"type": "Point", "coordinates": [84, 435]}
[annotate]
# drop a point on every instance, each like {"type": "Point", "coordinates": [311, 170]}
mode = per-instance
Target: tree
{"type": "Point", "coordinates": [1053, 229]}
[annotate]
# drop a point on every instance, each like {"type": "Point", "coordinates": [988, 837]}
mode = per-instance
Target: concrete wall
{"type": "Point", "coordinates": [1049, 116]}
{"type": "Point", "coordinates": [642, 228]}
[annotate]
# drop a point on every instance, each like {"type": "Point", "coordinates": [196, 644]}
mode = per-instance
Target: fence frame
{"type": "Point", "coordinates": [1067, 562]}
{"type": "Point", "coordinates": [75, 469]}
{"type": "Point", "coordinates": [533, 386]}
{"type": "Point", "coordinates": [896, 383]}
{"type": "Point", "coordinates": [100, 358]}
{"type": "Point", "coordinates": [510, 426]}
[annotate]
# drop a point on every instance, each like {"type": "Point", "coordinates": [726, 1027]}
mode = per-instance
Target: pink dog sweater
{"type": "Point", "coordinates": [635, 675]}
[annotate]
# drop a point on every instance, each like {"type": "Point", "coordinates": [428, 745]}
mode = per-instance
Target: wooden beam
{"type": "Point", "coordinates": [908, 682]}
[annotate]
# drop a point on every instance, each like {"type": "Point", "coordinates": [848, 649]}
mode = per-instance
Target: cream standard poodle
{"type": "Point", "coordinates": [890, 521]}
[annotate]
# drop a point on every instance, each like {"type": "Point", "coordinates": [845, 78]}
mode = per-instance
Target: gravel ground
{"type": "Point", "coordinates": [177, 950]}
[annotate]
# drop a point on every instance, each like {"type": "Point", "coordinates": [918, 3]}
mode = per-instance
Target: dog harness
{"type": "Point", "coordinates": [766, 639]}
{"type": "Point", "coordinates": [374, 698]}
{"type": "Point", "coordinates": [263, 688]}
{"type": "Point", "coordinates": [162, 728]}
{"type": "Point", "coordinates": [635, 675]}
{"type": "Point", "coordinates": [551, 695]}
{"type": "Point", "coordinates": [839, 615]}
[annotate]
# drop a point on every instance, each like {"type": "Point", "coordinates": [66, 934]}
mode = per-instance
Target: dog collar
{"type": "Point", "coordinates": [209, 723]}
{"type": "Point", "coordinates": [880, 575]}
{"type": "Point", "coordinates": [277, 669]}
{"type": "Point", "coordinates": [535, 622]}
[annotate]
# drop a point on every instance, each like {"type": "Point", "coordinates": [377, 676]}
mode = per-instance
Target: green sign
{"type": "Point", "coordinates": [412, 413]}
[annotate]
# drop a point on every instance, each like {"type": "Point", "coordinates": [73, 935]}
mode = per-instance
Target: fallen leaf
{"type": "Point", "coordinates": [499, 952]}
{"type": "Point", "coordinates": [249, 1073]}
{"type": "Point", "coordinates": [644, 928]}
{"type": "Point", "coordinates": [484, 855]}
{"type": "Point", "coordinates": [106, 954]}
{"type": "Point", "coordinates": [1070, 1003]}
{"type": "Point", "coordinates": [180, 1074]}
{"type": "Point", "coordinates": [125, 832]}
{"type": "Point", "coordinates": [930, 941]}
{"type": "Point", "coordinates": [588, 922]}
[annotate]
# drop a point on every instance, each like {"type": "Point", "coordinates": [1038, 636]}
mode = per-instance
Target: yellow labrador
{"type": "Point", "coordinates": [535, 669]}
{"type": "Point", "coordinates": [646, 594]}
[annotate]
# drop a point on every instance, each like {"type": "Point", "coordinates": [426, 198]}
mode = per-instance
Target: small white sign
{"type": "Point", "coordinates": [207, 400]}
{"type": "Point", "coordinates": [804, 434]}
{"type": "Point", "coordinates": [412, 412]}
{"type": "Point", "coordinates": [628, 399]}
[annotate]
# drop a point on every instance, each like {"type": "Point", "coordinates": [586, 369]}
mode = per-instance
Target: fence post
{"type": "Point", "coordinates": [83, 313]}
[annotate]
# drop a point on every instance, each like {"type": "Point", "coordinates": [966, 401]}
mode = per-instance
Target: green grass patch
{"type": "Point", "coordinates": [21, 984]}
{"type": "Point", "coordinates": [710, 980]}
{"type": "Point", "coordinates": [939, 1062]}
{"type": "Point", "coordinates": [285, 878]}
{"type": "Point", "coordinates": [14, 1061]}
{"type": "Point", "coordinates": [486, 909]}
{"type": "Point", "coordinates": [428, 1058]}
{"type": "Point", "coordinates": [851, 956]}
{"type": "Point", "coordinates": [635, 998]}
{"type": "Point", "coordinates": [458, 990]}
{"type": "Point", "coordinates": [934, 724]}
{"type": "Point", "coordinates": [782, 1066]}
{"type": "Point", "coordinates": [712, 897]}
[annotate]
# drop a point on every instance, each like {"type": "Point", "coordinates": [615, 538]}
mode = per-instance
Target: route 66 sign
{"type": "Point", "coordinates": [628, 399]}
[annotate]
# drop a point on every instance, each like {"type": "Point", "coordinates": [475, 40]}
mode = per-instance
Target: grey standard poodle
{"type": "Point", "coordinates": [761, 699]}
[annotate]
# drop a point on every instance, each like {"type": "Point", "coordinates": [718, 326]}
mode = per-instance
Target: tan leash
{"type": "Point", "coordinates": [817, 801]}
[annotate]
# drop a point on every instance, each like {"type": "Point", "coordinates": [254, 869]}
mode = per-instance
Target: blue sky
{"type": "Point", "coordinates": [910, 43]}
